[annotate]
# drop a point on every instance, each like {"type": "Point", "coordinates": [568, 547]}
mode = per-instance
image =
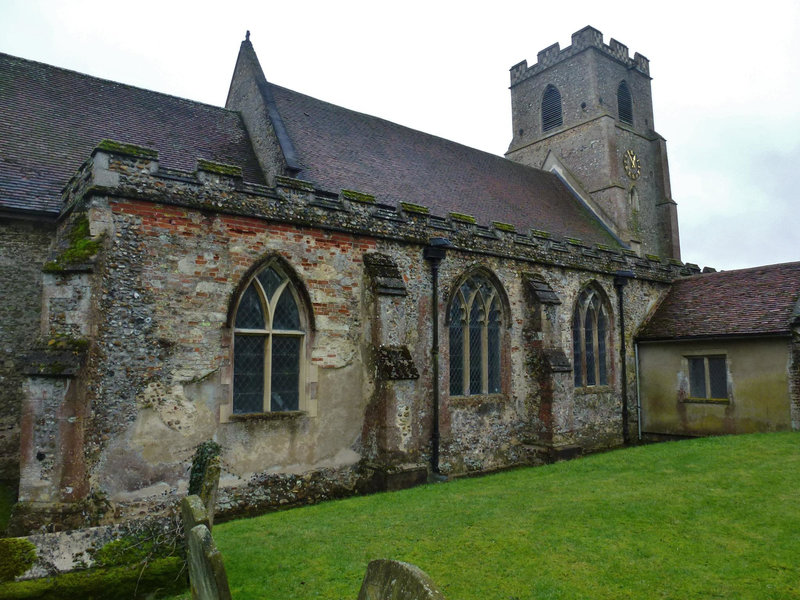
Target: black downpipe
{"type": "Point", "coordinates": [620, 280]}
{"type": "Point", "coordinates": [434, 253]}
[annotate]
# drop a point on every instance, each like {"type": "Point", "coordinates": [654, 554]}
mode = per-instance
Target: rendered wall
{"type": "Point", "coordinates": [758, 388]}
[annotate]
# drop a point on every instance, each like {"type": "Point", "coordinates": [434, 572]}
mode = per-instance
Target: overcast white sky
{"type": "Point", "coordinates": [726, 80]}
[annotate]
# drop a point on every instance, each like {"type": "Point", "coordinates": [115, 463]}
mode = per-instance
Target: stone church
{"type": "Point", "coordinates": [343, 304]}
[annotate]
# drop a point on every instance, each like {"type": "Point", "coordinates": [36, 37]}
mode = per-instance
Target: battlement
{"type": "Point", "coordinates": [133, 174]}
{"type": "Point", "coordinates": [588, 37]}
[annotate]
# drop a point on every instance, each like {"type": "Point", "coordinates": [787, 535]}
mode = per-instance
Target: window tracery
{"type": "Point", "coordinates": [590, 339]}
{"type": "Point", "coordinates": [268, 341]}
{"type": "Point", "coordinates": [474, 325]}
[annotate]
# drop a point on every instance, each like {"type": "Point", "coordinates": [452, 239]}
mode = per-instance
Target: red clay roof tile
{"type": "Point", "coordinates": [757, 301]}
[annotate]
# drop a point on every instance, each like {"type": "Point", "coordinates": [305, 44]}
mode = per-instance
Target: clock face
{"type": "Point", "coordinates": [632, 164]}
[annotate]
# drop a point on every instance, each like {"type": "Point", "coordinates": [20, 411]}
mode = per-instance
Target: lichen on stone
{"type": "Point", "coordinates": [127, 149]}
{"type": "Point", "coordinates": [415, 208]}
{"type": "Point", "coordinates": [297, 184]}
{"type": "Point", "coordinates": [358, 196]}
{"type": "Point", "coordinates": [80, 249]}
{"type": "Point", "coordinates": [17, 555]}
{"type": "Point", "coordinates": [218, 168]}
{"type": "Point", "coordinates": [463, 218]}
{"type": "Point", "coordinates": [503, 226]}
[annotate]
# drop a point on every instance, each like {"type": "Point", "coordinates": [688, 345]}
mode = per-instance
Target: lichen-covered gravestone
{"type": "Point", "coordinates": [207, 576]}
{"type": "Point", "coordinates": [193, 513]}
{"type": "Point", "coordinates": [395, 580]}
{"type": "Point", "coordinates": [209, 488]}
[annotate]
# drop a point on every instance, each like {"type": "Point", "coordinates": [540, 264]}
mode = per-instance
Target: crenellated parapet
{"type": "Point", "coordinates": [588, 37]}
{"type": "Point", "coordinates": [118, 172]}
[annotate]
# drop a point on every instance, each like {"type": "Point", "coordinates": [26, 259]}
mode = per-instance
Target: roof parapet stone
{"type": "Point", "coordinates": [298, 201]}
{"type": "Point", "coordinates": [588, 37]}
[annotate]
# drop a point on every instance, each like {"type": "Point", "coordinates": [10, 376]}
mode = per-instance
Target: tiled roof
{"type": "Point", "coordinates": [758, 301]}
{"type": "Point", "coordinates": [342, 149]}
{"type": "Point", "coordinates": [51, 119]}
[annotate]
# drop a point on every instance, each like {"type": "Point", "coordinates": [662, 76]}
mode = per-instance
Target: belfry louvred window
{"type": "Point", "coordinates": [590, 333]}
{"type": "Point", "coordinates": [475, 317]}
{"type": "Point", "coordinates": [268, 340]}
{"type": "Point", "coordinates": [552, 115]}
{"type": "Point", "coordinates": [625, 103]}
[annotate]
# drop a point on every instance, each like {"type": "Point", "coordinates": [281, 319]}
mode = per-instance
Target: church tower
{"type": "Point", "coordinates": [586, 112]}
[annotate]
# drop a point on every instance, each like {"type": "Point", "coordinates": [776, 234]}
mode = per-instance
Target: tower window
{"type": "Point", "coordinates": [268, 342]}
{"type": "Point", "coordinates": [552, 116]}
{"type": "Point", "coordinates": [625, 103]}
{"type": "Point", "coordinates": [475, 318]}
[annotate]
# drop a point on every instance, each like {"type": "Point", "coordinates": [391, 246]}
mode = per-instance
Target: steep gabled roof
{"type": "Point", "coordinates": [52, 118]}
{"type": "Point", "coordinates": [339, 149]}
{"type": "Point", "coordinates": [746, 302]}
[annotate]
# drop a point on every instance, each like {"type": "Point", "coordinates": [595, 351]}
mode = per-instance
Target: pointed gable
{"type": "Point", "coordinates": [336, 148]}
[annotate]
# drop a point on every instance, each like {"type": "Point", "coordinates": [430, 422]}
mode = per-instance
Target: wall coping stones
{"type": "Point", "coordinates": [415, 208]}
{"type": "Point", "coordinates": [297, 184]}
{"type": "Point", "coordinates": [218, 168]}
{"type": "Point", "coordinates": [358, 196]}
{"type": "Point", "coordinates": [298, 203]}
{"type": "Point", "coordinates": [133, 150]}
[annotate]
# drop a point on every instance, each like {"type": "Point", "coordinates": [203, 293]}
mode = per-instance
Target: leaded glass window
{"type": "Point", "coordinates": [475, 326]}
{"type": "Point", "coordinates": [708, 377]}
{"type": "Point", "coordinates": [590, 333]}
{"type": "Point", "coordinates": [268, 342]}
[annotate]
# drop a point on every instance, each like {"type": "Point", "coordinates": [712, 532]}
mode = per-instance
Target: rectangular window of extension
{"type": "Point", "coordinates": [708, 378]}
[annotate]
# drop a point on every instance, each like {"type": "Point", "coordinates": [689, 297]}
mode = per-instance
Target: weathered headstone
{"type": "Point", "coordinates": [395, 580]}
{"type": "Point", "coordinates": [207, 577]}
{"type": "Point", "coordinates": [209, 487]}
{"type": "Point", "coordinates": [193, 513]}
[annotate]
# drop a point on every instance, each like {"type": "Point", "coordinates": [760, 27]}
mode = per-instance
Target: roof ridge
{"type": "Point", "coordinates": [409, 128]}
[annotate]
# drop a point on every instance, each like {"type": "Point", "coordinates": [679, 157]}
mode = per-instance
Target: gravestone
{"type": "Point", "coordinates": [209, 487]}
{"type": "Point", "coordinates": [193, 513]}
{"type": "Point", "coordinates": [207, 577]}
{"type": "Point", "coordinates": [395, 580]}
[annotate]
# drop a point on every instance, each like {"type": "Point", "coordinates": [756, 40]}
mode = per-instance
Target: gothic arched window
{"type": "Point", "coordinates": [551, 109]}
{"type": "Point", "coordinates": [590, 339]}
{"type": "Point", "coordinates": [625, 103]}
{"type": "Point", "coordinates": [268, 342]}
{"type": "Point", "coordinates": [475, 317]}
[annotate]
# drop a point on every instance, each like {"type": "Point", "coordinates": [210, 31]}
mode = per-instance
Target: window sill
{"type": "Point", "coordinates": [476, 399]}
{"type": "Point", "coordinates": [267, 416]}
{"type": "Point", "coordinates": [706, 401]}
{"type": "Point", "coordinates": [594, 389]}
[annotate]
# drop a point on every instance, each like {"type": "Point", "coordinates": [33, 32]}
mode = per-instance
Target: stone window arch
{"type": "Point", "coordinates": [591, 330]}
{"type": "Point", "coordinates": [625, 103]}
{"type": "Point", "coordinates": [270, 326]}
{"type": "Point", "coordinates": [475, 321]}
{"type": "Point", "coordinates": [552, 115]}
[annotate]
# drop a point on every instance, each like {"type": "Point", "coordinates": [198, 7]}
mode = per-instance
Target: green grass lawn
{"type": "Point", "coordinates": [707, 518]}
